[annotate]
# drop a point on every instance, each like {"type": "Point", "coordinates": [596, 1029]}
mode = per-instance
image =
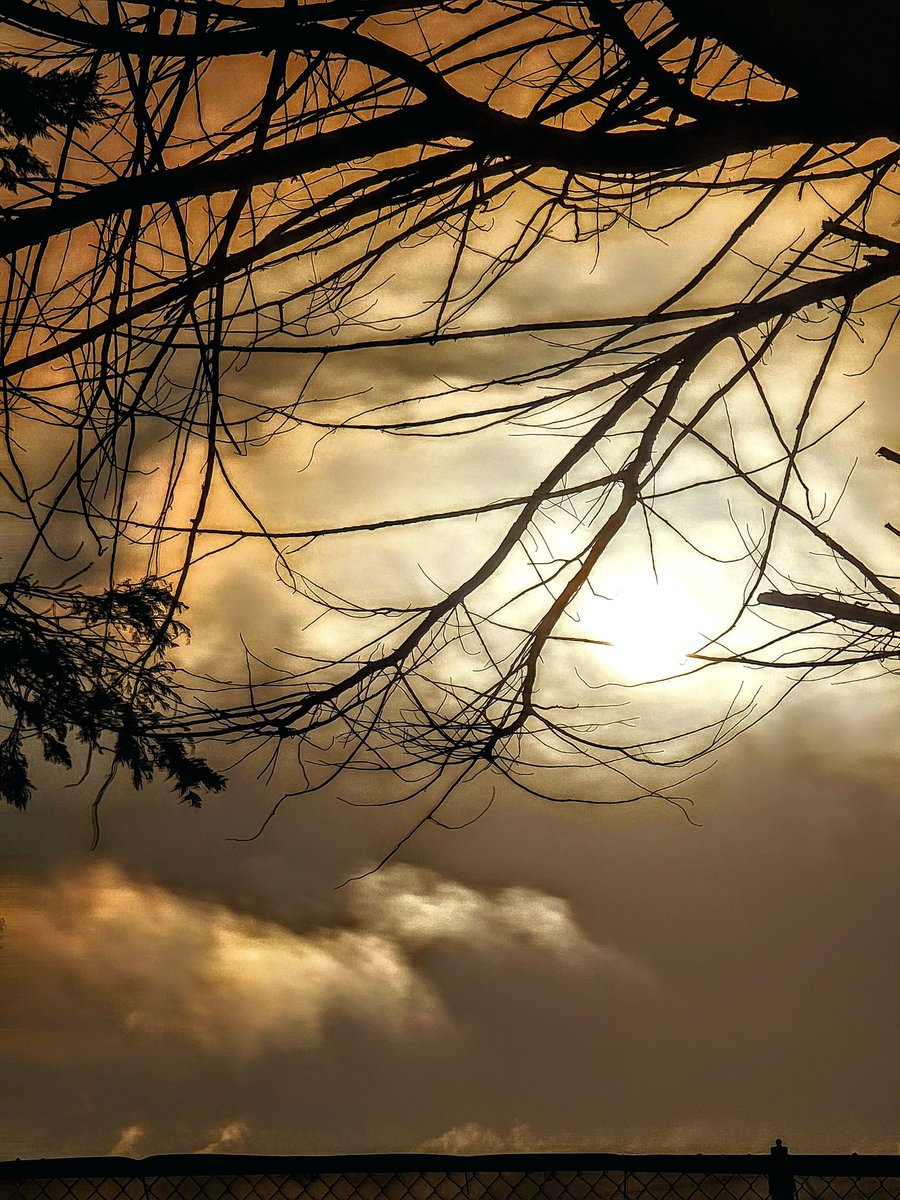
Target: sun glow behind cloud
{"type": "Point", "coordinates": [651, 627]}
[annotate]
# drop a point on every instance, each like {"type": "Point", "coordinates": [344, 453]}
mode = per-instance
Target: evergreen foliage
{"type": "Point", "coordinates": [32, 106]}
{"type": "Point", "coordinates": [93, 668]}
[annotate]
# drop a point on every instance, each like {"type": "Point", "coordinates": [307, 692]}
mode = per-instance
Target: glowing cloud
{"type": "Point", "coordinates": [165, 965]}
{"type": "Point", "coordinates": [416, 907]}
{"type": "Point", "coordinates": [168, 965]}
{"type": "Point", "coordinates": [129, 1141]}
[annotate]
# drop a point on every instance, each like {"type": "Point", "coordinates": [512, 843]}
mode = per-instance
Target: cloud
{"type": "Point", "coordinates": [128, 1140]}
{"type": "Point", "coordinates": [231, 1134]}
{"type": "Point", "coordinates": [225, 1137]}
{"type": "Point", "coordinates": [473, 1138]}
{"type": "Point", "coordinates": [519, 1138]}
{"type": "Point", "coordinates": [417, 907]}
{"type": "Point", "coordinates": [688, 1137]}
{"type": "Point", "coordinates": [165, 965]}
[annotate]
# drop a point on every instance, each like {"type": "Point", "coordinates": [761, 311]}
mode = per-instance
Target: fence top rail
{"type": "Point", "coordinates": [311, 1166]}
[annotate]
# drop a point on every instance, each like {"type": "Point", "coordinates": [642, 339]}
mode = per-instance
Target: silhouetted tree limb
{"type": "Point", "coordinates": [839, 610]}
{"type": "Point", "coordinates": [810, 45]}
{"type": "Point", "coordinates": [178, 231]}
{"type": "Point", "coordinates": [31, 107]}
{"type": "Point", "coordinates": [74, 666]}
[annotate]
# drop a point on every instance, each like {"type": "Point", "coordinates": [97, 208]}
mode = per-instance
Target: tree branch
{"type": "Point", "coordinates": [839, 610]}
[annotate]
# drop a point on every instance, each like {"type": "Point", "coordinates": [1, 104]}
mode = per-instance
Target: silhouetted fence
{"type": "Point", "coordinates": [774, 1176]}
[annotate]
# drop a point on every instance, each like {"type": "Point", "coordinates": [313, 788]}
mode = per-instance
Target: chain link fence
{"type": "Point", "coordinates": [776, 1176]}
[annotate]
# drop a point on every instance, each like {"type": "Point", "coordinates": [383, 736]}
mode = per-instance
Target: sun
{"type": "Point", "coordinates": [651, 628]}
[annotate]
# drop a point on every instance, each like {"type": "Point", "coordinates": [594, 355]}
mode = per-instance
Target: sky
{"type": "Point", "coordinates": [545, 979]}
{"type": "Point", "coordinates": [698, 976]}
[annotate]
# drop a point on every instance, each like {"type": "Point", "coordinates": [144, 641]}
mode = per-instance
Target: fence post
{"type": "Point", "coordinates": [781, 1177]}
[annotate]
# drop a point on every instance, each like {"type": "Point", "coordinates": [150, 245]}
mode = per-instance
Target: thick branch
{"type": "Point", "coordinates": [840, 610]}
{"type": "Point", "coordinates": [410, 126]}
{"type": "Point", "coordinates": [261, 30]}
{"type": "Point", "coordinates": [492, 133]}
{"type": "Point", "coordinates": [833, 54]}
